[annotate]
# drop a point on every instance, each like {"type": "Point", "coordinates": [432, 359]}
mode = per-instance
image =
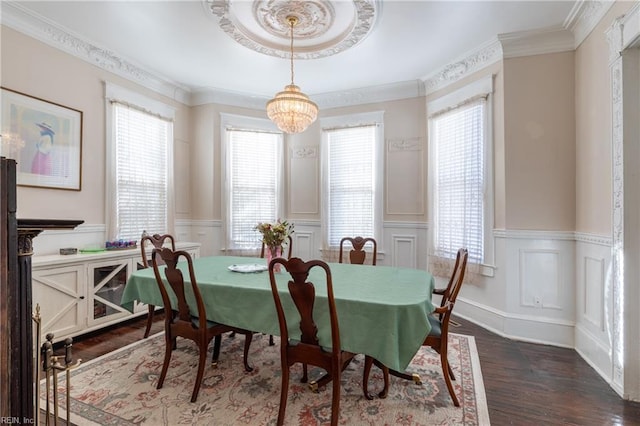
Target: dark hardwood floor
{"type": "Point", "coordinates": [525, 383]}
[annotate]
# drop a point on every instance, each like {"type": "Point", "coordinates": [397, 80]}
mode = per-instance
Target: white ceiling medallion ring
{"type": "Point", "coordinates": [324, 27]}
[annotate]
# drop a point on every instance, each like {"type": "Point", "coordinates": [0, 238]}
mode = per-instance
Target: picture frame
{"type": "Point", "coordinates": [45, 139]}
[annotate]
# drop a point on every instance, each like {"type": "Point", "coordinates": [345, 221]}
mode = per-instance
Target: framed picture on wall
{"type": "Point", "coordinates": [44, 138]}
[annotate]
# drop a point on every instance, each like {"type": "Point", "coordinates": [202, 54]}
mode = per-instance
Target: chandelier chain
{"type": "Point", "coordinates": [292, 22]}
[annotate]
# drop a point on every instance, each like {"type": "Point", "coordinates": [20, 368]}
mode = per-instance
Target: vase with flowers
{"type": "Point", "coordinates": [274, 236]}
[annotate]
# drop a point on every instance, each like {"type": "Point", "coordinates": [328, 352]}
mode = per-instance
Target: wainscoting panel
{"type": "Point", "coordinates": [209, 234]}
{"type": "Point", "coordinates": [83, 236]}
{"type": "Point", "coordinates": [593, 301]}
{"type": "Point", "coordinates": [593, 334]}
{"type": "Point", "coordinates": [304, 245]}
{"type": "Point", "coordinates": [540, 279]}
{"type": "Point", "coordinates": [404, 251]}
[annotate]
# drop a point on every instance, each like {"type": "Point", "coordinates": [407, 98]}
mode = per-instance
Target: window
{"type": "Point", "coordinates": [352, 175]}
{"type": "Point", "coordinates": [139, 165]}
{"type": "Point", "coordinates": [253, 150]}
{"type": "Point", "coordinates": [460, 175]}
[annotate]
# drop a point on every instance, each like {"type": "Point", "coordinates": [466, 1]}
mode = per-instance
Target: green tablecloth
{"type": "Point", "coordinates": [382, 310]}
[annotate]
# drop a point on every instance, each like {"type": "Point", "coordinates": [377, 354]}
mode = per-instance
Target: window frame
{"type": "Point", "coordinates": [483, 87]}
{"type": "Point", "coordinates": [115, 93]}
{"type": "Point", "coordinates": [345, 121]}
{"type": "Point", "coordinates": [235, 121]}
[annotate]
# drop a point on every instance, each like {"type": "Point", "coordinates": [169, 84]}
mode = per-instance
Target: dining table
{"type": "Point", "coordinates": [382, 310]}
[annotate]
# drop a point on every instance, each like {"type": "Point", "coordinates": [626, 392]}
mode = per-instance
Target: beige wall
{"type": "Point", "coordinates": [36, 69]}
{"type": "Point", "coordinates": [539, 142]}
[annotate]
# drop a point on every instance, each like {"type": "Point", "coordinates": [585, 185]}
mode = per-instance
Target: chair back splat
{"type": "Point", "coordinates": [179, 322]}
{"type": "Point", "coordinates": [357, 254]}
{"type": "Point", "coordinates": [308, 350]}
{"type": "Point", "coordinates": [157, 241]}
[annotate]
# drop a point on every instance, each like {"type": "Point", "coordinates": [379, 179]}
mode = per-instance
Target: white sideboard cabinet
{"type": "Point", "coordinates": [81, 292]}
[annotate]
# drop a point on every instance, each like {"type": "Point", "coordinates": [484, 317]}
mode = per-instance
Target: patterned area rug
{"type": "Point", "coordinates": [119, 388]}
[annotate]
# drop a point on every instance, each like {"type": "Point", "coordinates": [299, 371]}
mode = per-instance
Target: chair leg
{"type": "Point", "coordinates": [201, 361]}
{"type": "Point", "coordinates": [335, 401]}
{"type": "Point", "coordinates": [447, 379]}
{"type": "Point", "coordinates": [217, 340]}
{"type": "Point", "coordinates": [247, 343]}
{"type": "Point", "coordinates": [305, 377]}
{"type": "Point", "coordinates": [284, 392]}
{"type": "Point", "coordinates": [168, 343]}
{"type": "Point", "coordinates": [271, 342]}
{"type": "Point", "coordinates": [453, 377]}
{"type": "Point", "coordinates": [147, 330]}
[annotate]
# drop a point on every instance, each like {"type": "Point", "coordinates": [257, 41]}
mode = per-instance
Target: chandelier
{"type": "Point", "coordinates": [291, 110]}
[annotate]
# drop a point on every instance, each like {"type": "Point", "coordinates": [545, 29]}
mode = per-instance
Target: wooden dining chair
{"type": "Point", "coordinates": [179, 322]}
{"type": "Point", "coordinates": [289, 247]}
{"type": "Point", "coordinates": [157, 241]}
{"type": "Point", "coordinates": [357, 255]}
{"type": "Point", "coordinates": [438, 337]}
{"type": "Point", "coordinates": [307, 350]}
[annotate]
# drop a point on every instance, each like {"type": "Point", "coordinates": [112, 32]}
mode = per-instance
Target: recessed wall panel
{"type": "Point", "coordinates": [594, 291]}
{"type": "Point", "coordinates": [540, 279]}
{"type": "Point", "coordinates": [405, 176]}
{"type": "Point", "coordinates": [303, 194]}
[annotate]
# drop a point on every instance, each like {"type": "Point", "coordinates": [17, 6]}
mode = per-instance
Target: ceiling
{"type": "Point", "coordinates": [183, 42]}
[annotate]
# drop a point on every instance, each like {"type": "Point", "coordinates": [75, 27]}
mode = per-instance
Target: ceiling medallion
{"type": "Point", "coordinates": [324, 27]}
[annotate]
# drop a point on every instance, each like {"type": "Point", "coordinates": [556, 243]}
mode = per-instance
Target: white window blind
{"type": "Point", "coordinates": [253, 174]}
{"type": "Point", "coordinates": [459, 191]}
{"type": "Point", "coordinates": [351, 183]}
{"type": "Point", "coordinates": [141, 177]}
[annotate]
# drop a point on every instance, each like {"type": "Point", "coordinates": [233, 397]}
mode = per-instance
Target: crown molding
{"type": "Point", "coordinates": [23, 20]}
{"type": "Point", "coordinates": [369, 95]}
{"type": "Point", "coordinates": [364, 95]}
{"type": "Point", "coordinates": [205, 96]}
{"type": "Point", "coordinates": [485, 55]}
{"type": "Point", "coordinates": [536, 42]}
{"type": "Point", "coordinates": [584, 17]}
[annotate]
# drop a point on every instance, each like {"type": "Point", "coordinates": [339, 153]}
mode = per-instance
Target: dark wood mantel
{"type": "Point", "coordinates": [21, 371]}
{"type": "Point", "coordinates": [17, 384]}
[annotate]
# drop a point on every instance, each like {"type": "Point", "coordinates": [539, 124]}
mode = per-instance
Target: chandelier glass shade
{"type": "Point", "coordinates": [291, 110]}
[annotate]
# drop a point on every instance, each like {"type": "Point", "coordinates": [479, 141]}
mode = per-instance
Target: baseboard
{"type": "Point", "coordinates": [538, 330]}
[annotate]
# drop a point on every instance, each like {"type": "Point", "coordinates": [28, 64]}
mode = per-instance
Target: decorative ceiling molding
{"type": "Point", "coordinates": [324, 27]}
{"type": "Point", "coordinates": [536, 42]}
{"type": "Point", "coordinates": [22, 20]}
{"type": "Point", "coordinates": [584, 17]}
{"type": "Point", "coordinates": [485, 55]}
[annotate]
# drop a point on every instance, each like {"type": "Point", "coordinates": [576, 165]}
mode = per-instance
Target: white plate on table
{"type": "Point", "coordinates": [248, 268]}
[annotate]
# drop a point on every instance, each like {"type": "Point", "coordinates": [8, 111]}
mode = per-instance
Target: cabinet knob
{"type": "Point", "coordinates": [81, 297]}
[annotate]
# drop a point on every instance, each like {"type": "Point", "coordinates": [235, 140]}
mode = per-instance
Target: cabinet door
{"type": "Point", "coordinates": [60, 292]}
{"type": "Point", "coordinates": [106, 284]}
